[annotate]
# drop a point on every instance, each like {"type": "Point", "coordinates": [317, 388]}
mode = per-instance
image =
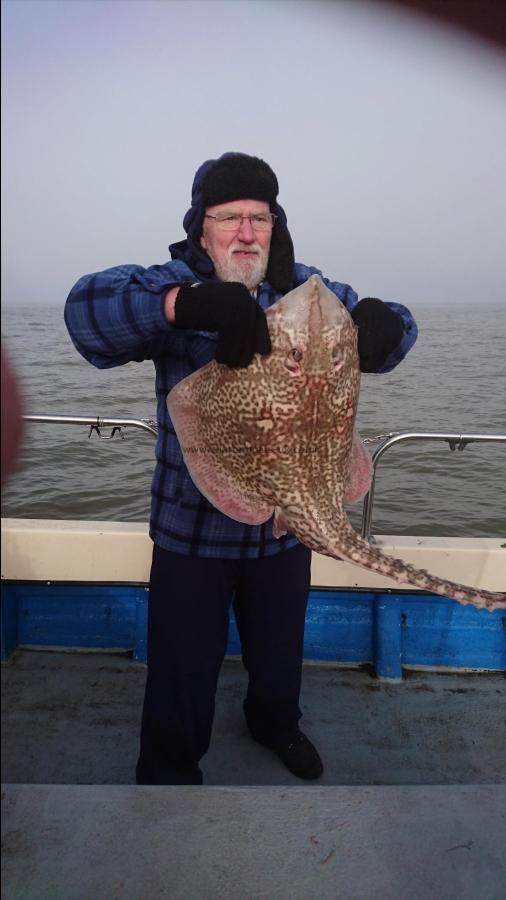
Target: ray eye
{"type": "Point", "coordinates": [337, 358]}
{"type": "Point", "coordinates": [293, 359]}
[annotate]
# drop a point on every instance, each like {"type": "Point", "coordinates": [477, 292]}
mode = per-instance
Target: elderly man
{"type": "Point", "coordinates": [208, 302]}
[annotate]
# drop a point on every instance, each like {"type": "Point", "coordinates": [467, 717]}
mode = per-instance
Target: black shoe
{"type": "Point", "coordinates": [300, 757]}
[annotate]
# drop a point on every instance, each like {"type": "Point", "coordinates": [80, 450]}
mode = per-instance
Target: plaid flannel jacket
{"type": "Point", "coordinates": [115, 317]}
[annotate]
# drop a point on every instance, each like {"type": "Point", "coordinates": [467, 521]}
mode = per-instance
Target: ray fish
{"type": "Point", "coordinates": [279, 438]}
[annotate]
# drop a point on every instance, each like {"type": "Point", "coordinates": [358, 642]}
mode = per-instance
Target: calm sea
{"type": "Point", "coordinates": [453, 380]}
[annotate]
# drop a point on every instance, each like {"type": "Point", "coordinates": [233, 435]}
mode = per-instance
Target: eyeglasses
{"type": "Point", "coordinates": [233, 221]}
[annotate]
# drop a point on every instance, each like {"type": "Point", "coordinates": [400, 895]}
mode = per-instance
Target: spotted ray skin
{"type": "Point", "coordinates": [279, 437]}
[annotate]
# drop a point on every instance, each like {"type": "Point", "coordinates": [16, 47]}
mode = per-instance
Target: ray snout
{"type": "Point", "coordinates": [325, 309]}
{"type": "Point", "coordinates": [310, 309]}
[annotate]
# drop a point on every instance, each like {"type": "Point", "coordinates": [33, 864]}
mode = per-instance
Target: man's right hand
{"type": "Point", "coordinates": [228, 308]}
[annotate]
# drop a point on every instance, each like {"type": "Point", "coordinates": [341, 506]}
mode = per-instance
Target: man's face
{"type": "Point", "coordinates": [240, 255]}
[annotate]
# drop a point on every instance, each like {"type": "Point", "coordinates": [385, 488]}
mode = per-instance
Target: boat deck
{"type": "Point", "coordinates": [412, 802]}
{"type": "Point", "coordinates": [74, 718]}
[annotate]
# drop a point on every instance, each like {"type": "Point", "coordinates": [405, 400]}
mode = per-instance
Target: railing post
{"type": "Point", "coordinates": [454, 440]}
{"type": "Point", "coordinates": [9, 620]}
{"type": "Point", "coordinates": [141, 626]}
{"type": "Point", "coordinates": [388, 637]}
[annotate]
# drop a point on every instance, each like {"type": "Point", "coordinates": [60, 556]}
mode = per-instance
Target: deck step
{"type": "Point", "coordinates": [75, 842]}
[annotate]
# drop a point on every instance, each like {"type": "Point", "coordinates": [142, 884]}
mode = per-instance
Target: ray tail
{"type": "Point", "coordinates": [353, 548]}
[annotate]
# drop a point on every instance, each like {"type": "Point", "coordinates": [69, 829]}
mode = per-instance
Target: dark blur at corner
{"type": "Point", "coordinates": [484, 19]}
{"type": "Point", "coordinates": [12, 423]}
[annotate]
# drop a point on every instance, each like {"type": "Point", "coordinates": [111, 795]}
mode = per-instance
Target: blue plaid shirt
{"type": "Point", "coordinates": [117, 316]}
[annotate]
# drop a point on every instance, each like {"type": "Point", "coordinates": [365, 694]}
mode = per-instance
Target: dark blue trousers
{"type": "Point", "coordinates": [189, 602]}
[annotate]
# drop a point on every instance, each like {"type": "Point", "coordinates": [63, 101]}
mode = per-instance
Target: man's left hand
{"type": "Point", "coordinates": [380, 330]}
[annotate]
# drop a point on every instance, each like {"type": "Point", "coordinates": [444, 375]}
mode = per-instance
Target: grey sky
{"type": "Point", "coordinates": [388, 136]}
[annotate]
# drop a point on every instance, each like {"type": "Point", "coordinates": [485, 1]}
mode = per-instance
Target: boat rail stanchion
{"type": "Point", "coordinates": [454, 440]}
{"type": "Point", "coordinates": [96, 423]}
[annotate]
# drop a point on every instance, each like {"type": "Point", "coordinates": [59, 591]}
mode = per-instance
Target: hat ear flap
{"type": "Point", "coordinates": [280, 269]}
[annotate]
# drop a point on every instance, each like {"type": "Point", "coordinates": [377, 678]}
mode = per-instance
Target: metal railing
{"type": "Point", "coordinates": [455, 440]}
{"type": "Point", "coordinates": [96, 423]}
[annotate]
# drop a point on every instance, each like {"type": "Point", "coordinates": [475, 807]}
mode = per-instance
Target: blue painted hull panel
{"type": "Point", "coordinates": [388, 631]}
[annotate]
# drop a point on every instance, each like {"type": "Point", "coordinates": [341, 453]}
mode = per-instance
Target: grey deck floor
{"type": "Point", "coordinates": [73, 718]}
{"type": "Point", "coordinates": [412, 803]}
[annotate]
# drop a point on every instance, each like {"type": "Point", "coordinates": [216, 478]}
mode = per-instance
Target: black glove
{"type": "Point", "coordinates": [228, 308]}
{"type": "Point", "coordinates": [380, 331]}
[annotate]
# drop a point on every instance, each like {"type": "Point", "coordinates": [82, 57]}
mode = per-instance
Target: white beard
{"type": "Point", "coordinates": [249, 273]}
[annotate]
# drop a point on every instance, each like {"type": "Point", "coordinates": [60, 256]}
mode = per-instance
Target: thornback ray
{"type": "Point", "coordinates": [279, 438]}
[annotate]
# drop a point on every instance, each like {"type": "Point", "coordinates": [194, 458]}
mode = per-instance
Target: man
{"type": "Point", "coordinates": [209, 302]}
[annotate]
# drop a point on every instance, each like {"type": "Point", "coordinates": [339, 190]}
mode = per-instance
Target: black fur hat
{"type": "Point", "coordinates": [239, 177]}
